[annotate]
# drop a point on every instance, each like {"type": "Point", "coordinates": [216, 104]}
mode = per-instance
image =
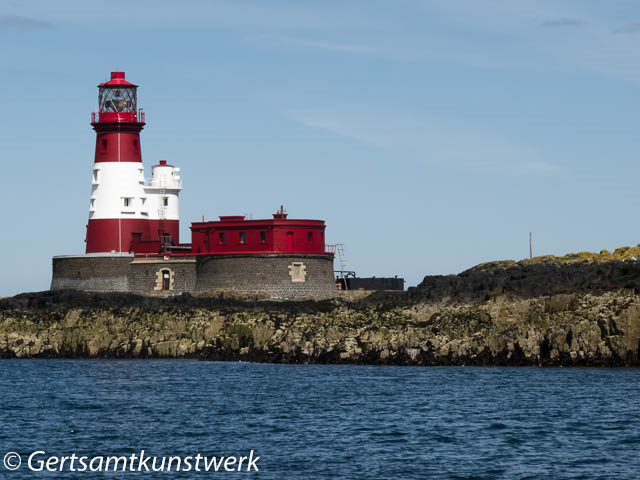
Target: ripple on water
{"type": "Point", "coordinates": [331, 422]}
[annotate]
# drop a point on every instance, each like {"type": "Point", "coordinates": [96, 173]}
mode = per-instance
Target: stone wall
{"type": "Point", "coordinates": [91, 273]}
{"type": "Point", "coordinates": [292, 276]}
{"type": "Point", "coordinates": [146, 275]}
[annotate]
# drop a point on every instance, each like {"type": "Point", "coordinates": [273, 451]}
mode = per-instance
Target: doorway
{"type": "Point", "coordinates": [166, 279]}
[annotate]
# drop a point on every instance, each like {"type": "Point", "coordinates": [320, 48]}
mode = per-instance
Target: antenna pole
{"type": "Point", "coordinates": [530, 246]}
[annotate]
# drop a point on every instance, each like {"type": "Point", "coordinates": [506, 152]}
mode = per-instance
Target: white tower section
{"type": "Point", "coordinates": [163, 192]}
{"type": "Point", "coordinates": [117, 191]}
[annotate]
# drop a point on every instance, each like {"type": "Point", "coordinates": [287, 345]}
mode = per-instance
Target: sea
{"type": "Point", "coordinates": [315, 421]}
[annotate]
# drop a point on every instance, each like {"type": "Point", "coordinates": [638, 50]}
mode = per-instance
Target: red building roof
{"type": "Point", "coordinates": [236, 235]}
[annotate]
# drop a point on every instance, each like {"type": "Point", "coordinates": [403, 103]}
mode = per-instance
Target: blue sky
{"type": "Point", "coordinates": [430, 135]}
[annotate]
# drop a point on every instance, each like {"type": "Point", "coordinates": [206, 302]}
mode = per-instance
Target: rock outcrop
{"type": "Point", "coordinates": [597, 328]}
{"type": "Point", "coordinates": [580, 309]}
{"type": "Point", "coordinates": [582, 272]}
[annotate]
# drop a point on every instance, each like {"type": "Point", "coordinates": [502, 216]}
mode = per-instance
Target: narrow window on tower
{"type": "Point", "coordinates": [165, 201]}
{"type": "Point", "coordinates": [309, 237]}
{"type": "Point", "coordinates": [222, 238]}
{"type": "Point", "coordinates": [127, 201]}
{"type": "Point", "coordinates": [95, 175]}
{"type": "Point", "coordinates": [93, 204]}
{"type": "Point", "coordinates": [263, 237]}
{"type": "Point", "coordinates": [243, 238]}
{"type": "Point", "coordinates": [104, 144]}
{"type": "Point", "coordinates": [135, 145]}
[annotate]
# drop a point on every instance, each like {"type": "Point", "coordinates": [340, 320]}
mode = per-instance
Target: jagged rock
{"type": "Point", "coordinates": [547, 312]}
{"type": "Point", "coordinates": [533, 278]}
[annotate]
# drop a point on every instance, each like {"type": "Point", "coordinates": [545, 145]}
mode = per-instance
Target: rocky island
{"type": "Point", "coordinates": [578, 310]}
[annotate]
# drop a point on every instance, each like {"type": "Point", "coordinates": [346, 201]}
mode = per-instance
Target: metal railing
{"type": "Point", "coordinates": [140, 116]}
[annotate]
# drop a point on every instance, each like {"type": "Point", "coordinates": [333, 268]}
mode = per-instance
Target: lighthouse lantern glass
{"type": "Point", "coordinates": [117, 99]}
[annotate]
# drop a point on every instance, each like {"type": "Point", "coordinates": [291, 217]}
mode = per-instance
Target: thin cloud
{"type": "Point", "coordinates": [402, 50]}
{"type": "Point", "coordinates": [424, 139]}
{"type": "Point", "coordinates": [341, 47]}
{"type": "Point", "coordinates": [233, 14]}
{"type": "Point", "coordinates": [562, 22]}
{"type": "Point", "coordinates": [630, 28]}
{"type": "Point", "coordinates": [24, 23]}
{"type": "Point", "coordinates": [593, 46]}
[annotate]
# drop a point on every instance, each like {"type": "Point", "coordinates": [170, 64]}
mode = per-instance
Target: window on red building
{"type": "Point", "coordinates": [263, 237]}
{"type": "Point", "coordinates": [243, 238]}
{"type": "Point", "coordinates": [309, 237]}
{"type": "Point", "coordinates": [222, 238]}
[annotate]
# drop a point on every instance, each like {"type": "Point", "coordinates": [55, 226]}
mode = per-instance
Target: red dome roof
{"type": "Point", "coordinates": [117, 80]}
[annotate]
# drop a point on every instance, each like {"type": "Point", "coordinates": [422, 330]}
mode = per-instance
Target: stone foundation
{"type": "Point", "coordinates": [92, 272]}
{"type": "Point", "coordinates": [147, 275]}
{"type": "Point", "coordinates": [278, 276]}
{"type": "Point", "coordinates": [294, 276]}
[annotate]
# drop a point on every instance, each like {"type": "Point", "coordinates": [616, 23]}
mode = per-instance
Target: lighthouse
{"type": "Point", "coordinates": [132, 233]}
{"type": "Point", "coordinates": [124, 209]}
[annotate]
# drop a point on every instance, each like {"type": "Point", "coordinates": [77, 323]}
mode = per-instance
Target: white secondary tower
{"type": "Point", "coordinates": [163, 193]}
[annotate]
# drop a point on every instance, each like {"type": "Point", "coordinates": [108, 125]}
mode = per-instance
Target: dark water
{"type": "Point", "coordinates": [328, 422]}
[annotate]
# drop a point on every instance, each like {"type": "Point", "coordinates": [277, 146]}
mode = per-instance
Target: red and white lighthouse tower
{"type": "Point", "coordinates": [123, 208]}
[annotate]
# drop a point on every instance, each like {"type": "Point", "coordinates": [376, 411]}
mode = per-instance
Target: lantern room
{"type": "Point", "coordinates": [118, 100]}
